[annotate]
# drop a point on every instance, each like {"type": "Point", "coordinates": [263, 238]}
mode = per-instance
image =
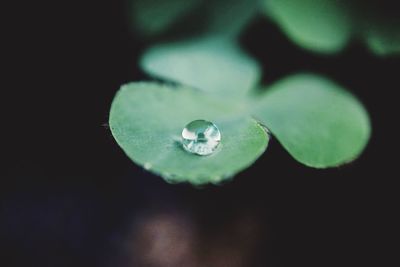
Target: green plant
{"type": "Point", "coordinates": [322, 26]}
{"type": "Point", "coordinates": [208, 77]}
{"type": "Point", "coordinates": [317, 122]}
{"type": "Point", "coordinates": [327, 26]}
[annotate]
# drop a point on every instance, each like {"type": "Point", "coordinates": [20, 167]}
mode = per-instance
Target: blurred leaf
{"type": "Point", "coordinates": [229, 17]}
{"type": "Point", "coordinates": [318, 25]}
{"type": "Point", "coordinates": [315, 120]}
{"type": "Point", "coordinates": [152, 17]}
{"type": "Point", "coordinates": [147, 119]}
{"type": "Point", "coordinates": [214, 64]}
{"type": "Point", "coordinates": [383, 41]}
{"type": "Point", "coordinates": [222, 17]}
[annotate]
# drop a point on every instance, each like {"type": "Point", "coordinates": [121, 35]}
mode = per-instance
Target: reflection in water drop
{"type": "Point", "coordinates": [201, 137]}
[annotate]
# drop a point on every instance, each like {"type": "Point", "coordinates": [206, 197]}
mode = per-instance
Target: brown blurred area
{"type": "Point", "coordinates": [162, 239]}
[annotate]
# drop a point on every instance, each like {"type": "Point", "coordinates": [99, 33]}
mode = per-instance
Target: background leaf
{"type": "Point", "coordinates": [147, 119]}
{"type": "Point", "coordinates": [318, 25]}
{"type": "Point", "coordinates": [229, 17]}
{"type": "Point", "coordinates": [192, 17]}
{"type": "Point", "coordinates": [213, 64]}
{"type": "Point", "coordinates": [152, 17]}
{"type": "Point", "coordinates": [315, 120]}
{"type": "Point", "coordinates": [383, 41]}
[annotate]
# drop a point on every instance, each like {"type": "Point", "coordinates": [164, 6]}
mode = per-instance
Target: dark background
{"type": "Point", "coordinates": [68, 193]}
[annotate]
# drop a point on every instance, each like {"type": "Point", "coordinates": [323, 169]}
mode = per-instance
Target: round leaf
{"type": "Point", "coordinates": [315, 120]}
{"type": "Point", "coordinates": [318, 25]}
{"type": "Point", "coordinates": [215, 65]}
{"type": "Point", "coordinates": [147, 119]}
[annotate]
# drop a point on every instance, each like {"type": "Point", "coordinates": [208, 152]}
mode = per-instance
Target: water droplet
{"type": "Point", "coordinates": [201, 137]}
{"type": "Point", "coordinates": [147, 165]}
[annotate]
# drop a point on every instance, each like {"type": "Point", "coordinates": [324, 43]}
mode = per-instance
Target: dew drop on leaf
{"type": "Point", "coordinates": [201, 137]}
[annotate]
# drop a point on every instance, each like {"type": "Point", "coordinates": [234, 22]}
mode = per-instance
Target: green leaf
{"type": "Point", "coordinates": [229, 17]}
{"type": "Point", "coordinates": [147, 119]}
{"type": "Point", "coordinates": [318, 25]}
{"type": "Point", "coordinates": [213, 64]}
{"type": "Point", "coordinates": [152, 17]}
{"type": "Point", "coordinates": [383, 41]}
{"type": "Point", "coordinates": [315, 120]}
{"type": "Point", "coordinates": [219, 17]}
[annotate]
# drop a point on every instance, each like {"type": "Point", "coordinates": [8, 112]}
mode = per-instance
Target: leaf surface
{"type": "Point", "coordinates": [317, 25]}
{"type": "Point", "coordinates": [215, 65]}
{"type": "Point", "coordinates": [317, 122]}
{"type": "Point", "coordinates": [147, 119]}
